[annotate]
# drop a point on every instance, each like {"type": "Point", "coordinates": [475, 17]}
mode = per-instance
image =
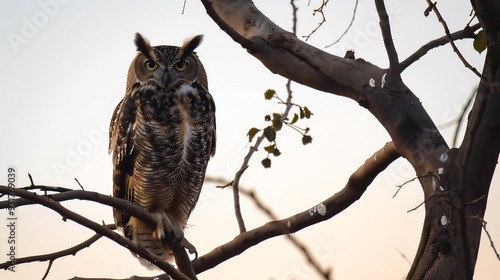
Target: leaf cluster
{"type": "Point", "coordinates": [277, 120]}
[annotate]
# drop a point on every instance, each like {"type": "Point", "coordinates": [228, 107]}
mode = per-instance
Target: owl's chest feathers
{"type": "Point", "coordinates": [170, 128]}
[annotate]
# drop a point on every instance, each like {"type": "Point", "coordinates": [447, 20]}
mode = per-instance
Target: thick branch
{"type": "Point", "coordinates": [355, 187]}
{"type": "Point", "coordinates": [133, 209]}
{"type": "Point", "coordinates": [318, 69]}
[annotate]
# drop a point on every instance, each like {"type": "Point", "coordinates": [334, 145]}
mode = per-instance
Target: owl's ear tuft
{"type": "Point", "coordinates": [190, 45]}
{"type": "Point", "coordinates": [143, 46]}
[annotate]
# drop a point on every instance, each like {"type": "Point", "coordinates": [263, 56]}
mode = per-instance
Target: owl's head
{"type": "Point", "coordinates": [167, 66]}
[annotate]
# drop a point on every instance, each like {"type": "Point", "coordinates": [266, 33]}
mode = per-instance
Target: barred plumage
{"type": "Point", "coordinates": [162, 135]}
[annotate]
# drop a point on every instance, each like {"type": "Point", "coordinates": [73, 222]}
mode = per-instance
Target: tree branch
{"type": "Point", "coordinates": [323, 19]}
{"type": "Point", "coordinates": [355, 187]}
{"type": "Point", "coordinates": [452, 43]}
{"type": "Point", "coordinates": [385, 27]}
{"type": "Point", "coordinates": [66, 252]}
{"type": "Point", "coordinates": [244, 42]}
{"type": "Point", "coordinates": [318, 69]}
{"type": "Point", "coordinates": [458, 35]}
{"type": "Point", "coordinates": [100, 229]}
{"type": "Point", "coordinates": [325, 273]}
{"type": "Point", "coordinates": [461, 118]}
{"type": "Point", "coordinates": [348, 27]}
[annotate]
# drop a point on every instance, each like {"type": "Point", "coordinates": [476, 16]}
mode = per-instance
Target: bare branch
{"type": "Point", "coordinates": [268, 211]}
{"type": "Point", "coordinates": [133, 209]}
{"type": "Point", "coordinates": [348, 27]}
{"type": "Point", "coordinates": [355, 187]}
{"type": "Point", "coordinates": [79, 184]}
{"type": "Point", "coordinates": [458, 35]}
{"type": "Point", "coordinates": [48, 269]}
{"type": "Point", "coordinates": [323, 19]}
{"type": "Point", "coordinates": [100, 229]}
{"type": "Point", "coordinates": [401, 186]}
{"type": "Point", "coordinates": [385, 27]}
{"type": "Point", "coordinates": [452, 43]}
{"type": "Point", "coordinates": [158, 277]}
{"type": "Point", "coordinates": [236, 182]}
{"type": "Point", "coordinates": [66, 252]}
{"type": "Point", "coordinates": [483, 223]}
{"type": "Point", "coordinates": [294, 16]}
{"type": "Point", "coordinates": [325, 273]}
{"type": "Point", "coordinates": [461, 118]}
{"type": "Point", "coordinates": [404, 256]}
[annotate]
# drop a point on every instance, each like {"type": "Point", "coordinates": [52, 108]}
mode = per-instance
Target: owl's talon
{"type": "Point", "coordinates": [190, 247]}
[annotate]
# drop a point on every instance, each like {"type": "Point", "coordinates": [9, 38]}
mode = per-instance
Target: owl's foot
{"type": "Point", "coordinates": [166, 231]}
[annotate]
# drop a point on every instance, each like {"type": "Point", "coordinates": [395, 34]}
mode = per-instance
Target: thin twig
{"type": "Point", "coordinates": [323, 19]}
{"type": "Point", "coordinates": [483, 224]}
{"type": "Point", "coordinates": [413, 179]}
{"type": "Point", "coordinates": [31, 179]}
{"type": "Point", "coordinates": [416, 207]}
{"type": "Point", "coordinates": [294, 17]}
{"type": "Point", "coordinates": [236, 183]}
{"type": "Point", "coordinates": [434, 8]}
{"type": "Point", "coordinates": [422, 203]}
{"type": "Point", "coordinates": [461, 118]}
{"type": "Point", "coordinates": [404, 256]}
{"type": "Point", "coordinates": [184, 6]}
{"type": "Point", "coordinates": [475, 200]}
{"type": "Point", "coordinates": [48, 269]}
{"type": "Point", "coordinates": [79, 184]}
{"type": "Point", "coordinates": [401, 186]}
{"type": "Point", "coordinates": [348, 27]}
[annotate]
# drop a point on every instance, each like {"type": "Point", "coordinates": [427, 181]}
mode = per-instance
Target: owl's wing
{"type": "Point", "coordinates": [121, 145]}
{"type": "Point", "coordinates": [214, 134]}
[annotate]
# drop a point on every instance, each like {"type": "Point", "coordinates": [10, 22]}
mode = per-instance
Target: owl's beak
{"type": "Point", "coordinates": [166, 79]}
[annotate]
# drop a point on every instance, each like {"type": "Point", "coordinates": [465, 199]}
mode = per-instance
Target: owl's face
{"type": "Point", "coordinates": [166, 66]}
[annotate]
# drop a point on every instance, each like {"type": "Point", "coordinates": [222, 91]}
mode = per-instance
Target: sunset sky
{"type": "Point", "coordinates": [64, 67]}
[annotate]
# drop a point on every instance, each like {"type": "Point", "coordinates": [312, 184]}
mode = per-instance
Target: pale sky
{"type": "Point", "coordinates": [64, 65]}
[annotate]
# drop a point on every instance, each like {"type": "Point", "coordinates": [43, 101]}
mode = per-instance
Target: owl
{"type": "Point", "coordinates": [162, 135]}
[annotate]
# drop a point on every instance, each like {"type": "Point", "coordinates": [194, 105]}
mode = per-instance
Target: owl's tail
{"type": "Point", "coordinates": [142, 234]}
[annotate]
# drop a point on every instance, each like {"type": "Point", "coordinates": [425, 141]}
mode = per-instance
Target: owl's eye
{"type": "Point", "coordinates": [181, 66]}
{"type": "Point", "coordinates": [150, 65]}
